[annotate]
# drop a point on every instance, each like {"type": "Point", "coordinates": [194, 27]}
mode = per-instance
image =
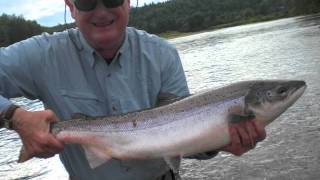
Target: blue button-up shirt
{"type": "Point", "coordinates": [69, 77]}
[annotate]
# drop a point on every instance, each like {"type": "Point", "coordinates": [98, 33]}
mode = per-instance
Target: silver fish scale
{"type": "Point", "coordinates": [154, 117]}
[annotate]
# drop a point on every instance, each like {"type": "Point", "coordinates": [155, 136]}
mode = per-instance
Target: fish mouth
{"type": "Point", "coordinates": [301, 86]}
{"type": "Point", "coordinates": [296, 93]}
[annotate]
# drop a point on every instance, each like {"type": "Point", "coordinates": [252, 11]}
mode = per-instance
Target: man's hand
{"type": "Point", "coordinates": [34, 131]}
{"type": "Point", "coordinates": [244, 136]}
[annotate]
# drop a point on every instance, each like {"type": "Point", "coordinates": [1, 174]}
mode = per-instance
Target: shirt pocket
{"type": "Point", "coordinates": [86, 103]}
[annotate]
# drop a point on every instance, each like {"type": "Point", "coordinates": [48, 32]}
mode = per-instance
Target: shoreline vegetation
{"type": "Point", "coordinates": [176, 34]}
{"type": "Point", "coordinates": [176, 18]}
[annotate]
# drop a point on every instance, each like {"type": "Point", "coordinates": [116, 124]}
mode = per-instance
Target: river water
{"type": "Point", "coordinates": [281, 49]}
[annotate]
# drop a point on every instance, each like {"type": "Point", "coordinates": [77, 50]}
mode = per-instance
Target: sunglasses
{"type": "Point", "coordinates": [89, 5]}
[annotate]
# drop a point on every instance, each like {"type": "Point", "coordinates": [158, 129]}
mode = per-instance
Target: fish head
{"type": "Point", "coordinates": [266, 100]}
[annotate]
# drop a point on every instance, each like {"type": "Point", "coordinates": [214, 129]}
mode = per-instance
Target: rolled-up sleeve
{"type": "Point", "coordinates": [18, 67]}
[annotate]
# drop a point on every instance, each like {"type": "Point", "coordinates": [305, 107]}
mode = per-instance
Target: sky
{"type": "Point", "coordinates": [45, 12]}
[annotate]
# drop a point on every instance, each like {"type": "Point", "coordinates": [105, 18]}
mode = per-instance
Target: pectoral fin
{"type": "Point", "coordinates": [96, 156]}
{"type": "Point", "coordinates": [240, 113]}
{"type": "Point", "coordinates": [236, 118]}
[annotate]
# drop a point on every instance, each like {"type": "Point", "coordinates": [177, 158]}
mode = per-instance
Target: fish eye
{"type": "Point", "coordinates": [269, 93]}
{"type": "Point", "coordinates": [282, 90]}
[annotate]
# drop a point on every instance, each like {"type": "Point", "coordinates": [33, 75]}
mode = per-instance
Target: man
{"type": "Point", "coordinates": [102, 68]}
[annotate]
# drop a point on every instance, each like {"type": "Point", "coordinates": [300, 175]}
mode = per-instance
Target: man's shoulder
{"type": "Point", "coordinates": [55, 38]}
{"type": "Point", "coordinates": [145, 38]}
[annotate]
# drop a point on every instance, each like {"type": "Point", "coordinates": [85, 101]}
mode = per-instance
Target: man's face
{"type": "Point", "coordinates": [103, 28]}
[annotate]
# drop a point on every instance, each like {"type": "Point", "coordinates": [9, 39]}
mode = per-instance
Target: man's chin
{"type": "Point", "coordinates": [105, 41]}
{"type": "Point", "coordinates": [106, 38]}
{"type": "Point", "coordinates": [104, 35]}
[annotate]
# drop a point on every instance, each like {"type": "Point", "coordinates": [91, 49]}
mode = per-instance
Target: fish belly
{"type": "Point", "coordinates": [194, 131]}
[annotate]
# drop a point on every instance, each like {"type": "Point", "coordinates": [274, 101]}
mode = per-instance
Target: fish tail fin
{"type": "Point", "coordinates": [24, 155]}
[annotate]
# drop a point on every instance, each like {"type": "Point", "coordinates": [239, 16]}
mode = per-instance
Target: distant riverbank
{"type": "Point", "coordinates": [175, 34]}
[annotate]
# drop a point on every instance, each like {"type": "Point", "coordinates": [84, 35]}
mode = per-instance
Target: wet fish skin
{"type": "Point", "coordinates": [195, 124]}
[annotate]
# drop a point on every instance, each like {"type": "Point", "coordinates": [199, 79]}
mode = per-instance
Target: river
{"type": "Point", "coordinates": [282, 49]}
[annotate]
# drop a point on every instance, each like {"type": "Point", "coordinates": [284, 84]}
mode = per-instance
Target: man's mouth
{"type": "Point", "coordinates": [103, 24]}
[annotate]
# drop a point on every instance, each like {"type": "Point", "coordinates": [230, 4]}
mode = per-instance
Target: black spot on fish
{"type": "Point", "coordinates": [134, 123]}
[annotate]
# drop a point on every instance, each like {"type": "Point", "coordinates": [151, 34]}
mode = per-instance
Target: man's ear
{"type": "Point", "coordinates": [71, 7]}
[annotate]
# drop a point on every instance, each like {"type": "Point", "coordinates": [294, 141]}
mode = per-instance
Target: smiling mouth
{"type": "Point", "coordinates": [103, 24]}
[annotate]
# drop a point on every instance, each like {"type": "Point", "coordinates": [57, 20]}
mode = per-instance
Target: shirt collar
{"type": "Point", "coordinates": [88, 49]}
{"type": "Point", "coordinates": [91, 51]}
{"type": "Point", "coordinates": [123, 49]}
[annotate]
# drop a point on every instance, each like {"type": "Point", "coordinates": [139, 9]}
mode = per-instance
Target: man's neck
{"type": "Point", "coordinates": [108, 61]}
{"type": "Point", "coordinates": [108, 54]}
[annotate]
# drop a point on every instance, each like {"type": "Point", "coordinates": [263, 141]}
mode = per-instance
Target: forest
{"type": "Point", "coordinates": [177, 16]}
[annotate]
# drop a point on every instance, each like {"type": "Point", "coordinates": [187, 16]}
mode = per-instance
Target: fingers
{"type": "Point", "coordinates": [234, 134]}
{"type": "Point", "coordinates": [46, 140]}
{"type": "Point", "coordinates": [50, 116]}
{"type": "Point", "coordinates": [244, 136]}
{"type": "Point", "coordinates": [47, 146]}
{"type": "Point", "coordinates": [54, 144]}
{"type": "Point", "coordinates": [261, 132]}
{"type": "Point", "coordinates": [50, 144]}
{"type": "Point", "coordinates": [236, 141]}
{"type": "Point", "coordinates": [34, 130]}
{"type": "Point", "coordinates": [253, 135]}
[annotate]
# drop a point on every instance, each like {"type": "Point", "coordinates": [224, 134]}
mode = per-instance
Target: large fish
{"type": "Point", "coordinates": [195, 124]}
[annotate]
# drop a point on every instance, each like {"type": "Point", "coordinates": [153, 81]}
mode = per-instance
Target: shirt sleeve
{"type": "Point", "coordinates": [173, 79]}
{"type": "Point", "coordinates": [18, 67]}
